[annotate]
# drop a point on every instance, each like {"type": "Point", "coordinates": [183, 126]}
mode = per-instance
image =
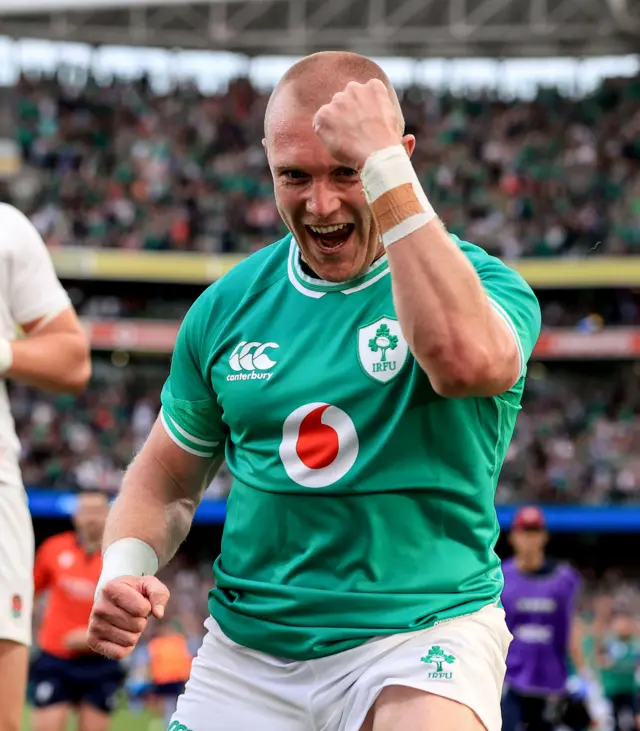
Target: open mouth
{"type": "Point", "coordinates": [331, 238]}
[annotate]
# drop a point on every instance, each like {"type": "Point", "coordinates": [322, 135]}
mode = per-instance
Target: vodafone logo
{"type": "Point", "coordinates": [319, 445]}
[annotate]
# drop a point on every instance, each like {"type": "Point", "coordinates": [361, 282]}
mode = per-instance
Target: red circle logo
{"type": "Point", "coordinates": [319, 444]}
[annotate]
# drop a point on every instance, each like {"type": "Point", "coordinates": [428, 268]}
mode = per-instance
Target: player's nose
{"type": "Point", "coordinates": [323, 200]}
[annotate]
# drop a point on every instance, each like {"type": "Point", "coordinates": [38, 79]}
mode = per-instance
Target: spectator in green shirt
{"type": "Point", "coordinates": [618, 658]}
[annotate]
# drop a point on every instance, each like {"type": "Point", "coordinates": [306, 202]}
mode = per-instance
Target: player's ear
{"type": "Point", "coordinates": [409, 144]}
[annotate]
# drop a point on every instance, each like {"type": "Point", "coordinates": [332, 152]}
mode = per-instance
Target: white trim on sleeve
{"type": "Point", "coordinates": [509, 322]}
{"type": "Point", "coordinates": [177, 441]}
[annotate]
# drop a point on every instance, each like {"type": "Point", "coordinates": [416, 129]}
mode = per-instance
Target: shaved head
{"type": "Point", "coordinates": [311, 82]}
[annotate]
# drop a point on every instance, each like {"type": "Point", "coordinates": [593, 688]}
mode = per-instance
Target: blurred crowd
{"type": "Point", "coordinates": [577, 439]}
{"type": "Point", "coordinates": [86, 442]}
{"type": "Point", "coordinates": [118, 166]}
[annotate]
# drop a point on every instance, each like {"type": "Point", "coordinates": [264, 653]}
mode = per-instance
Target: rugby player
{"type": "Point", "coordinates": [52, 355]}
{"type": "Point", "coordinates": [362, 378]}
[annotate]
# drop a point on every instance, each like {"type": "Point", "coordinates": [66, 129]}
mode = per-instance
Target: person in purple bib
{"type": "Point", "coordinates": [539, 599]}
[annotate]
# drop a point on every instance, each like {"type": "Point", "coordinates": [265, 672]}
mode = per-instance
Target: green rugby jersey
{"type": "Point", "coordinates": [362, 502]}
{"type": "Point", "coordinates": [623, 654]}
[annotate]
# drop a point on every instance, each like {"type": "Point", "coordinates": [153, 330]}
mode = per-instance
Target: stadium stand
{"type": "Point", "coordinates": [119, 166]}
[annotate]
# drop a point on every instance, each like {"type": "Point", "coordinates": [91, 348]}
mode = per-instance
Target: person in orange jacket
{"type": "Point", "coordinates": [67, 675]}
{"type": "Point", "coordinates": [169, 666]}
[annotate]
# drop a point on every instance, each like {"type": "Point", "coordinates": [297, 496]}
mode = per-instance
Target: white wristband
{"type": "Point", "coordinates": [127, 557]}
{"type": "Point", "coordinates": [391, 168]}
{"type": "Point", "coordinates": [6, 355]}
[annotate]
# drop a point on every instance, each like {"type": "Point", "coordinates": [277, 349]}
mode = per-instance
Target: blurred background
{"type": "Point", "coordinates": [130, 133]}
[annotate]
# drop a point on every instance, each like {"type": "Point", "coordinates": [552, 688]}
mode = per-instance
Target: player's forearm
{"type": "Point", "coordinates": [58, 362]}
{"type": "Point", "coordinates": [153, 508]}
{"type": "Point", "coordinates": [444, 312]}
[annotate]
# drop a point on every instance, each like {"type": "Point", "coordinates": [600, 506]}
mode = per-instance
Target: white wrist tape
{"type": "Point", "coordinates": [6, 355]}
{"type": "Point", "coordinates": [393, 191]}
{"type": "Point", "coordinates": [127, 557]}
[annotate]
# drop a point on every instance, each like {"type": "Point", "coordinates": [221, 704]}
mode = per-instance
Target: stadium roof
{"type": "Point", "coordinates": [417, 28]}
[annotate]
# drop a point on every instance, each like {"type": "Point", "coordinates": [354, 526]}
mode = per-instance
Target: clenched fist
{"type": "Point", "coordinates": [121, 612]}
{"type": "Point", "coordinates": [357, 122]}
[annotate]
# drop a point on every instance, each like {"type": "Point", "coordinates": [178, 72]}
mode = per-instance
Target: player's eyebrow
{"type": "Point", "coordinates": [279, 169]}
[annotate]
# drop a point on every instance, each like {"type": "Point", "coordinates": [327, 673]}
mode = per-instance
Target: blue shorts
{"type": "Point", "coordinates": [91, 679]}
{"type": "Point", "coordinates": [168, 690]}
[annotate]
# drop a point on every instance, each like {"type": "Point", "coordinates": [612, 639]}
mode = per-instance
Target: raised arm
{"type": "Point", "coordinates": [465, 344]}
{"type": "Point", "coordinates": [462, 343]}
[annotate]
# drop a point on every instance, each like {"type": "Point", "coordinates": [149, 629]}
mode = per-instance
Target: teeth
{"type": "Point", "coordinates": [328, 229]}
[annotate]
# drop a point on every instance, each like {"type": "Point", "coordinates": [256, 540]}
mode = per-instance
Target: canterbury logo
{"type": "Point", "coordinates": [249, 360]}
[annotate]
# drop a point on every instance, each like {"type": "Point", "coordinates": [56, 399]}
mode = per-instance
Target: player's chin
{"type": "Point", "coordinates": [340, 264]}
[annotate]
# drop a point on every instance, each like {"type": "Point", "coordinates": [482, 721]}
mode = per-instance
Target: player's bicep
{"type": "Point", "coordinates": [34, 289]}
{"type": "Point", "coordinates": [192, 473]}
{"type": "Point", "coordinates": [508, 345]}
{"type": "Point", "coordinates": [516, 306]}
{"type": "Point", "coordinates": [66, 321]}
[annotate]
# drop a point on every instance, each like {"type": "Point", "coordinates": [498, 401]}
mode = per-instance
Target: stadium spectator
{"type": "Point", "coordinates": [119, 166]}
{"type": "Point", "coordinates": [617, 654]}
{"type": "Point", "coordinates": [169, 666]}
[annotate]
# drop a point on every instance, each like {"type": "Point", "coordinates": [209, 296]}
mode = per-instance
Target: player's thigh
{"type": "Point", "coordinates": [91, 718]}
{"type": "Point", "coordinates": [232, 688]}
{"type": "Point", "coordinates": [399, 708]}
{"type": "Point", "coordinates": [455, 669]}
{"type": "Point", "coordinates": [51, 718]}
{"type": "Point", "coordinates": [14, 663]}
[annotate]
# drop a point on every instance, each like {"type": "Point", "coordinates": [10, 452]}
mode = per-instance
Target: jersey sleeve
{"type": "Point", "coordinates": [511, 297]}
{"type": "Point", "coordinates": [190, 411]}
{"type": "Point", "coordinates": [34, 289]}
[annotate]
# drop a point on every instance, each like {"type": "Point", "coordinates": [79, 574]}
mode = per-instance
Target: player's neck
{"type": "Point", "coordinates": [530, 562]}
{"type": "Point", "coordinates": [310, 273]}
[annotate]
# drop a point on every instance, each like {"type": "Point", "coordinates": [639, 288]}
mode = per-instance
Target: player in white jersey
{"type": "Point", "coordinates": [52, 355]}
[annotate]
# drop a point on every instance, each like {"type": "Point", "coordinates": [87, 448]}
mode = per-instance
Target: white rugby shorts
{"type": "Point", "coordinates": [233, 688]}
{"type": "Point", "coordinates": [16, 565]}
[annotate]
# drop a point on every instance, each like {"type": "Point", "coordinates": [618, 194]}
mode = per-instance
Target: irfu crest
{"type": "Point", "coordinates": [438, 657]}
{"type": "Point", "coordinates": [383, 341]}
{"type": "Point", "coordinates": [382, 350]}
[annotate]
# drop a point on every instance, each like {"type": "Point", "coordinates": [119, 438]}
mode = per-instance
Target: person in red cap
{"type": "Point", "coordinates": [539, 599]}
